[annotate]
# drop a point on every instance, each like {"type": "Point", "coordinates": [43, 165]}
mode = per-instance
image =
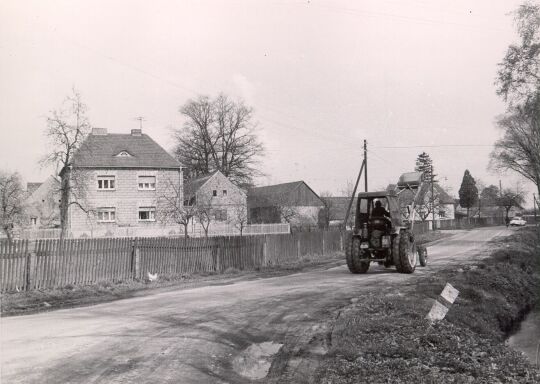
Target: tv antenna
{"type": "Point", "coordinates": [141, 119]}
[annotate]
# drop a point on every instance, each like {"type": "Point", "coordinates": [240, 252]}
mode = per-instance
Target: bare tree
{"type": "Point", "coordinates": [195, 142]}
{"type": "Point", "coordinates": [67, 128]}
{"type": "Point", "coordinates": [348, 189]}
{"type": "Point", "coordinates": [171, 209]}
{"type": "Point", "coordinates": [325, 214]}
{"type": "Point", "coordinates": [510, 199]}
{"type": "Point", "coordinates": [11, 202]}
{"type": "Point", "coordinates": [426, 205]}
{"type": "Point", "coordinates": [518, 78]}
{"type": "Point", "coordinates": [519, 149]}
{"type": "Point", "coordinates": [219, 134]}
{"type": "Point", "coordinates": [287, 213]}
{"type": "Point", "coordinates": [239, 218]}
{"type": "Point", "coordinates": [203, 214]}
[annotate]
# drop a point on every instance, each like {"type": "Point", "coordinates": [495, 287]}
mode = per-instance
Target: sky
{"type": "Point", "coordinates": [322, 77]}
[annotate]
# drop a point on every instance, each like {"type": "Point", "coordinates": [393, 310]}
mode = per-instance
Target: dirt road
{"type": "Point", "coordinates": [199, 335]}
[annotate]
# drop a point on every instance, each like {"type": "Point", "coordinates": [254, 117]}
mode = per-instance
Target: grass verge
{"type": "Point", "coordinates": [384, 338]}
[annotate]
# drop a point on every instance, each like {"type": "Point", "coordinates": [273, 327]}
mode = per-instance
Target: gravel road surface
{"type": "Point", "coordinates": [218, 334]}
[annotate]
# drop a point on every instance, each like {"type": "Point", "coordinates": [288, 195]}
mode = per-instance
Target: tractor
{"type": "Point", "coordinates": [387, 240]}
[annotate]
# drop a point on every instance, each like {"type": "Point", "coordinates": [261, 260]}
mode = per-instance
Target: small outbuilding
{"type": "Point", "coordinates": [295, 203]}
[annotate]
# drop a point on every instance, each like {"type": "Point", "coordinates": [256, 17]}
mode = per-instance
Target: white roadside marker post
{"type": "Point", "coordinates": [442, 304]}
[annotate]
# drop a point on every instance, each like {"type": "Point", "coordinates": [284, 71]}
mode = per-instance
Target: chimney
{"type": "Point", "coordinates": [136, 132]}
{"type": "Point", "coordinates": [99, 131]}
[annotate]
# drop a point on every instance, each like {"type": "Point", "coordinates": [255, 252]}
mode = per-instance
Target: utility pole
{"type": "Point", "coordinates": [363, 168]}
{"type": "Point", "coordinates": [365, 165]}
{"type": "Point", "coordinates": [534, 208]}
{"type": "Point", "coordinates": [500, 197]}
{"type": "Point", "coordinates": [432, 200]}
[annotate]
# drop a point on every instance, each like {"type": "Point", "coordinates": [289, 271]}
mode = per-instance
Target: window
{"type": "Point", "coordinates": [214, 192]}
{"type": "Point", "coordinates": [105, 183]}
{"type": "Point", "coordinates": [106, 215]}
{"type": "Point", "coordinates": [147, 214]}
{"type": "Point", "coordinates": [33, 221]}
{"type": "Point", "coordinates": [147, 183]}
{"type": "Point", "coordinates": [224, 192]}
{"type": "Point", "coordinates": [123, 154]}
{"type": "Point", "coordinates": [220, 214]}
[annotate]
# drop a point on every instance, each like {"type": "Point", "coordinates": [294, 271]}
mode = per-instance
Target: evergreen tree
{"type": "Point", "coordinates": [468, 192]}
{"type": "Point", "coordinates": [425, 164]}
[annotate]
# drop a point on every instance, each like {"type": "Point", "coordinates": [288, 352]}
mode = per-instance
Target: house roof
{"type": "Point", "coordinates": [32, 187]}
{"type": "Point", "coordinates": [100, 151]}
{"type": "Point", "coordinates": [44, 190]}
{"type": "Point", "coordinates": [192, 186]}
{"type": "Point", "coordinates": [406, 196]}
{"type": "Point", "coordinates": [296, 193]}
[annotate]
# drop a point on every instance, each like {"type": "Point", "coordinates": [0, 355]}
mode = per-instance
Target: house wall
{"type": "Point", "coordinates": [233, 200]}
{"type": "Point", "coordinates": [449, 212]}
{"type": "Point", "coordinates": [304, 197]}
{"type": "Point", "coordinates": [303, 215]}
{"type": "Point", "coordinates": [306, 215]}
{"type": "Point", "coordinates": [44, 205]}
{"type": "Point", "coordinates": [126, 198]}
{"type": "Point", "coordinates": [264, 215]}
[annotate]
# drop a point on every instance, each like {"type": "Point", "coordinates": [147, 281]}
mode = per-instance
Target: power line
{"type": "Point", "coordinates": [437, 146]}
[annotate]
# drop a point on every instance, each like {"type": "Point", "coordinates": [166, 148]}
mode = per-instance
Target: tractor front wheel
{"type": "Point", "coordinates": [354, 254]}
{"type": "Point", "coordinates": [422, 256]}
{"type": "Point", "coordinates": [407, 253]}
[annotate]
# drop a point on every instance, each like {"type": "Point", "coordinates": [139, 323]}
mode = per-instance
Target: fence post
{"type": "Point", "coordinates": [265, 262]}
{"type": "Point", "coordinates": [30, 261]}
{"type": "Point", "coordinates": [135, 259]}
{"type": "Point", "coordinates": [298, 247]}
{"type": "Point", "coordinates": [218, 254]}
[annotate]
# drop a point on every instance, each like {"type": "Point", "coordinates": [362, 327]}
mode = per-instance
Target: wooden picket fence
{"type": "Point", "coordinates": [14, 265]}
{"type": "Point", "coordinates": [53, 263]}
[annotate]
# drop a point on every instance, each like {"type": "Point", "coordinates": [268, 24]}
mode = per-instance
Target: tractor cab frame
{"type": "Point", "coordinates": [387, 240]}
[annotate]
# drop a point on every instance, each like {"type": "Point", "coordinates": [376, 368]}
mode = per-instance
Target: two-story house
{"type": "Point", "coordinates": [117, 181]}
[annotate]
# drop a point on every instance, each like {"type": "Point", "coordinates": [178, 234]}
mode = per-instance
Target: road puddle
{"type": "Point", "coordinates": [254, 362]}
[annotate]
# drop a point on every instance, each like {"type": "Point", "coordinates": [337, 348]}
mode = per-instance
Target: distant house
{"type": "Point", "coordinates": [217, 192]}
{"type": "Point", "coordinates": [42, 204]}
{"type": "Point", "coordinates": [120, 178]}
{"type": "Point", "coordinates": [295, 203]}
{"type": "Point", "coordinates": [485, 211]}
{"type": "Point", "coordinates": [444, 203]}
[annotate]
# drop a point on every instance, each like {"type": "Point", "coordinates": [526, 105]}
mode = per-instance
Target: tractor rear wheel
{"type": "Point", "coordinates": [407, 253]}
{"type": "Point", "coordinates": [353, 254]}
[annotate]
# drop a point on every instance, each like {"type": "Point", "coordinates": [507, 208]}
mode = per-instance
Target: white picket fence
{"type": "Point", "coordinates": [224, 229]}
{"type": "Point", "coordinates": [194, 230]}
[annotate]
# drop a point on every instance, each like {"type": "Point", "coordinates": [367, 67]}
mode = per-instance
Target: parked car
{"type": "Point", "coordinates": [517, 221]}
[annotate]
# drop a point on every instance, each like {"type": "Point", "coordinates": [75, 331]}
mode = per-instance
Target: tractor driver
{"type": "Point", "coordinates": [379, 210]}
